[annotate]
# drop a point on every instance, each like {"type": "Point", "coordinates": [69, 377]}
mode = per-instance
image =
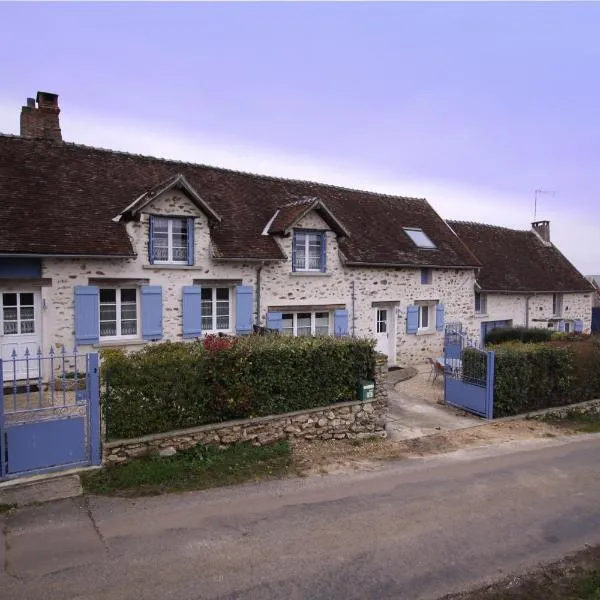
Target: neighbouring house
{"type": "Point", "coordinates": [102, 248]}
{"type": "Point", "coordinates": [524, 280]}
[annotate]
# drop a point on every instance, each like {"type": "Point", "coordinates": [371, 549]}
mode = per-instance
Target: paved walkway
{"type": "Point", "coordinates": [415, 407]}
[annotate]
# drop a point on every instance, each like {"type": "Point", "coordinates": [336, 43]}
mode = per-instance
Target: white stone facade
{"type": "Point", "coordinates": [360, 291]}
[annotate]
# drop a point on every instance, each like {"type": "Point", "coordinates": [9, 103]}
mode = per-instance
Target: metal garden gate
{"type": "Point", "coordinates": [468, 373]}
{"type": "Point", "coordinates": [50, 417]}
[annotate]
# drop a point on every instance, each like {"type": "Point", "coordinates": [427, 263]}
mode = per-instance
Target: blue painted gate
{"type": "Point", "coordinates": [468, 373]}
{"type": "Point", "coordinates": [50, 417]}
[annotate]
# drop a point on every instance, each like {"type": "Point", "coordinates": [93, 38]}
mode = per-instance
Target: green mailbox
{"type": "Point", "coordinates": [365, 389]}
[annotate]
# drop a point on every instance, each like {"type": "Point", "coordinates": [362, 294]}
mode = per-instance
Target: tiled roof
{"type": "Point", "coordinates": [287, 216]}
{"type": "Point", "coordinates": [60, 198]}
{"type": "Point", "coordinates": [518, 261]}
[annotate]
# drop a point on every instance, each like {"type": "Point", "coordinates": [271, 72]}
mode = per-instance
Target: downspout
{"type": "Point", "coordinates": [258, 278]}
{"type": "Point", "coordinates": [353, 296]}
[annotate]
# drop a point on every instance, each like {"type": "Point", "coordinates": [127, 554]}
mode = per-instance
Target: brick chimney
{"type": "Point", "coordinates": [41, 121]}
{"type": "Point", "coordinates": [542, 229]}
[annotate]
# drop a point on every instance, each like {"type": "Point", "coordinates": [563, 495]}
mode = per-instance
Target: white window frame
{"type": "Point", "coordinates": [214, 301]}
{"type": "Point", "coordinates": [19, 321]}
{"type": "Point", "coordinates": [118, 304]}
{"type": "Point", "coordinates": [170, 261]}
{"type": "Point", "coordinates": [557, 305]}
{"type": "Point", "coordinates": [431, 316]}
{"type": "Point", "coordinates": [308, 235]}
{"type": "Point", "coordinates": [379, 321]}
{"type": "Point", "coordinates": [482, 303]}
{"type": "Point", "coordinates": [313, 318]}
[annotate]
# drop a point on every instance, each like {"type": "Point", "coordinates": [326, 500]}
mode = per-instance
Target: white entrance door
{"type": "Point", "coordinates": [382, 331]}
{"type": "Point", "coordinates": [20, 331]}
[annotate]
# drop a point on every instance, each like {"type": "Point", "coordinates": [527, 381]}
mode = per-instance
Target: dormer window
{"type": "Point", "coordinates": [419, 238]}
{"type": "Point", "coordinates": [171, 240]}
{"type": "Point", "coordinates": [308, 251]}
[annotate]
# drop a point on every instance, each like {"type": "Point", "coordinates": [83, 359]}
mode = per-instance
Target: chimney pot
{"type": "Point", "coordinates": [41, 121]}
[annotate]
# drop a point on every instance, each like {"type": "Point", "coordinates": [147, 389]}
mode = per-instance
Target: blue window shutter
{"type": "Point", "coordinates": [190, 232]}
{"type": "Point", "coordinates": [412, 319]}
{"type": "Point", "coordinates": [561, 325]}
{"type": "Point", "coordinates": [151, 240]}
{"type": "Point", "coordinates": [151, 296]}
{"type": "Point", "coordinates": [87, 314]}
{"type": "Point", "coordinates": [293, 251]}
{"type": "Point", "coordinates": [243, 309]}
{"type": "Point", "coordinates": [275, 320]}
{"type": "Point", "coordinates": [192, 311]}
{"type": "Point", "coordinates": [340, 323]}
{"type": "Point", "coordinates": [324, 252]}
{"type": "Point", "coordinates": [578, 326]}
{"type": "Point", "coordinates": [439, 317]}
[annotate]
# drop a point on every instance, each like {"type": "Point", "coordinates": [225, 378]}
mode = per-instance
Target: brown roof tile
{"type": "Point", "coordinates": [61, 199]}
{"type": "Point", "coordinates": [518, 261]}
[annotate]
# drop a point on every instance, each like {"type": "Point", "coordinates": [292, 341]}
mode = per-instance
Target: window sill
{"type": "Point", "coordinates": [479, 315]}
{"type": "Point", "coordinates": [309, 274]}
{"type": "Point", "coordinates": [179, 267]}
{"type": "Point", "coordinates": [426, 331]}
{"type": "Point", "coordinates": [120, 342]}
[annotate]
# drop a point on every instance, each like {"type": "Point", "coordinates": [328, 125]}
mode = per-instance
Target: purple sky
{"type": "Point", "coordinates": [473, 106]}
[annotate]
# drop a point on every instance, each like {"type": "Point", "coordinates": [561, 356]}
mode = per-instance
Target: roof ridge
{"type": "Point", "coordinates": [460, 222]}
{"type": "Point", "coordinates": [224, 169]}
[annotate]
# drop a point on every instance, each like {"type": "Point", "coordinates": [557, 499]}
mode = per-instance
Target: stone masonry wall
{"type": "Point", "coordinates": [346, 420]}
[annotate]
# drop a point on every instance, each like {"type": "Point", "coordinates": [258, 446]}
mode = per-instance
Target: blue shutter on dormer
{"type": "Point", "coordinates": [412, 319]}
{"type": "Point", "coordinates": [151, 299]}
{"type": "Point", "coordinates": [578, 326]}
{"type": "Point", "coordinates": [190, 239]}
{"type": "Point", "coordinates": [243, 309]}
{"type": "Point", "coordinates": [439, 317]}
{"type": "Point", "coordinates": [275, 321]}
{"type": "Point", "coordinates": [293, 251]}
{"type": "Point", "coordinates": [340, 323]}
{"type": "Point", "coordinates": [323, 252]}
{"type": "Point", "coordinates": [87, 314]}
{"type": "Point", "coordinates": [151, 240]}
{"type": "Point", "coordinates": [192, 310]}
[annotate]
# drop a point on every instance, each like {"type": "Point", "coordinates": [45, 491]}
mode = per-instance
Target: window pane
{"type": "Point", "coordinates": [10, 313]}
{"type": "Point", "coordinates": [128, 295]}
{"type": "Point", "coordinates": [9, 299]}
{"type": "Point", "coordinates": [179, 227]}
{"type": "Point", "coordinates": [128, 327]}
{"type": "Point", "coordinates": [223, 322]}
{"type": "Point", "coordinates": [161, 224]}
{"type": "Point", "coordinates": [26, 313]}
{"type": "Point", "coordinates": [108, 312]}
{"type": "Point", "coordinates": [108, 328]}
{"type": "Point", "coordinates": [287, 324]}
{"type": "Point", "coordinates": [108, 296]}
{"type": "Point", "coordinates": [303, 324]}
{"type": "Point", "coordinates": [206, 293]}
{"type": "Point", "coordinates": [424, 317]}
{"type": "Point", "coordinates": [27, 299]}
{"type": "Point", "coordinates": [419, 237]}
{"type": "Point", "coordinates": [128, 311]}
{"type": "Point", "coordinates": [27, 327]}
{"type": "Point", "coordinates": [222, 293]}
{"type": "Point", "coordinates": [322, 323]}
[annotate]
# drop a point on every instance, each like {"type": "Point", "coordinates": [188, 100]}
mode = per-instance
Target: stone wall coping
{"type": "Point", "coordinates": [227, 424]}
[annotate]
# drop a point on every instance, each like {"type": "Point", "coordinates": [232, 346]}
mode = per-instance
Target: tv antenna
{"type": "Point", "coordinates": [536, 194]}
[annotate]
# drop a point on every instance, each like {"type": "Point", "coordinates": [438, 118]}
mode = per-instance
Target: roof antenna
{"type": "Point", "coordinates": [536, 194]}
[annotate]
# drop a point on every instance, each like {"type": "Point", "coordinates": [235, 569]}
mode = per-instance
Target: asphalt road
{"type": "Point", "coordinates": [414, 529]}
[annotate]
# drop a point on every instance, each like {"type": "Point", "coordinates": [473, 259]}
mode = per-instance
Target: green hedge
{"type": "Point", "coordinates": [176, 385]}
{"type": "Point", "coordinates": [527, 335]}
{"type": "Point", "coordinates": [535, 376]}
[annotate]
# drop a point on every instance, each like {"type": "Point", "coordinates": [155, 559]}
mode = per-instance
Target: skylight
{"type": "Point", "coordinates": [419, 237]}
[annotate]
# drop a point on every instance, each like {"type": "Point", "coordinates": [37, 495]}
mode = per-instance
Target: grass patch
{"type": "Point", "coordinates": [197, 468]}
{"type": "Point", "coordinates": [4, 508]}
{"type": "Point", "coordinates": [585, 422]}
{"type": "Point", "coordinates": [576, 577]}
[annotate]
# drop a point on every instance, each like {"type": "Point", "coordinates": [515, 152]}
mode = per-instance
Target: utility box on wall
{"type": "Point", "coordinates": [365, 389]}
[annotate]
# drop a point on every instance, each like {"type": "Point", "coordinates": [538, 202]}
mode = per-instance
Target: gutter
{"type": "Point", "coordinates": [409, 265]}
{"type": "Point", "coordinates": [39, 255]}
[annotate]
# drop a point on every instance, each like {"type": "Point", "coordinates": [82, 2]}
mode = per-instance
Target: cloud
{"type": "Point", "coordinates": [451, 200]}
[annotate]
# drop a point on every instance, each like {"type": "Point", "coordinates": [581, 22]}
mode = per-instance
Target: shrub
{"type": "Point", "coordinates": [176, 385]}
{"type": "Point", "coordinates": [527, 335]}
{"type": "Point", "coordinates": [535, 376]}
